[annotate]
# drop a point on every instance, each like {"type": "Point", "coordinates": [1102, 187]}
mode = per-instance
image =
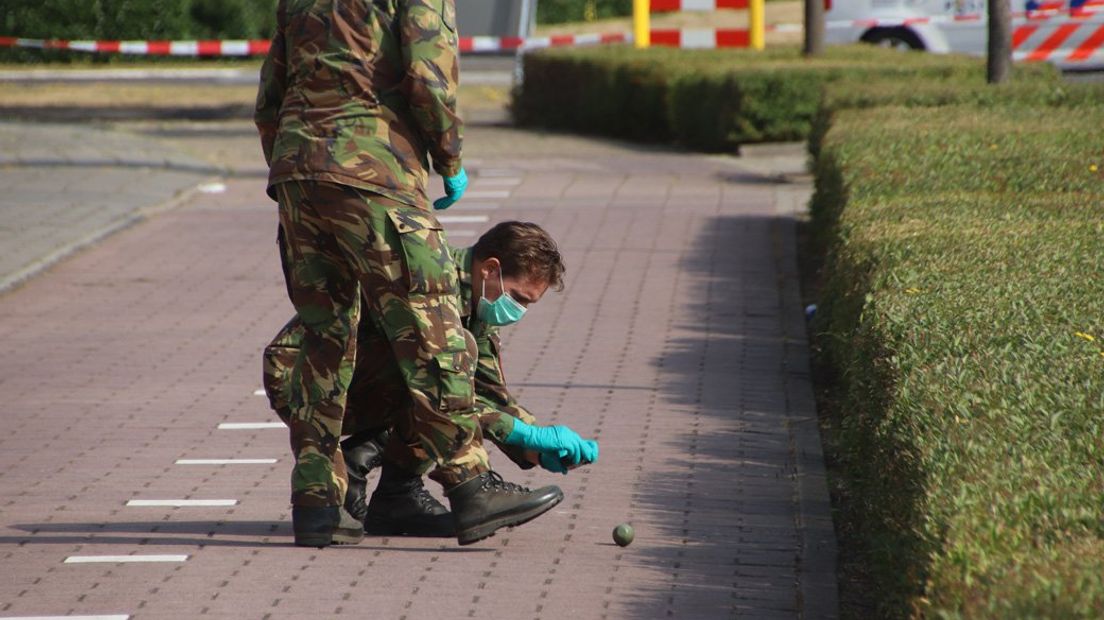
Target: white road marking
{"type": "Point", "coordinates": [179, 503]}
{"type": "Point", "coordinates": [119, 617]}
{"type": "Point", "coordinates": [473, 206]}
{"type": "Point", "coordinates": [115, 559]}
{"type": "Point", "coordinates": [462, 219]}
{"type": "Point", "coordinates": [237, 426]}
{"type": "Point", "coordinates": [212, 188]}
{"type": "Point", "coordinates": [115, 617]}
{"type": "Point", "coordinates": [225, 461]}
{"type": "Point", "coordinates": [260, 392]}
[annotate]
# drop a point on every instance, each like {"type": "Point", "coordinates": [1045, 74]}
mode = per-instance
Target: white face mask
{"type": "Point", "coordinates": [502, 311]}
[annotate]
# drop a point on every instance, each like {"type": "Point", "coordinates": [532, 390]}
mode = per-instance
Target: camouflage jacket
{"type": "Point", "coordinates": [496, 407]}
{"type": "Point", "coordinates": [361, 93]}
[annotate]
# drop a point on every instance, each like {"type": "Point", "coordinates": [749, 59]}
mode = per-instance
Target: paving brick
{"type": "Point", "coordinates": [674, 343]}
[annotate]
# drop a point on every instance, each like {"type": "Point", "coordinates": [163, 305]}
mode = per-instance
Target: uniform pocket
{"type": "Point", "coordinates": [455, 387]}
{"type": "Point", "coordinates": [427, 263]}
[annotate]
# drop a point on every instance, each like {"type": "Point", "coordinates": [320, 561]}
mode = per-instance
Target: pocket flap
{"type": "Point", "coordinates": [411, 220]}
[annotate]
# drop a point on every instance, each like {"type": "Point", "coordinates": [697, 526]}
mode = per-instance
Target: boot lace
{"type": "Point", "coordinates": [423, 497]}
{"type": "Point", "coordinates": [494, 481]}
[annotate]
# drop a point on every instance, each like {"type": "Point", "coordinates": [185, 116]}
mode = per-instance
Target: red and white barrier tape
{"type": "Point", "coordinates": [686, 37]}
{"type": "Point", "coordinates": [146, 48]}
{"type": "Point", "coordinates": [1086, 13]}
{"type": "Point", "coordinates": [476, 45]}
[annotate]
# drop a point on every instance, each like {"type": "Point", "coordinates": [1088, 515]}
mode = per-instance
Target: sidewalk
{"type": "Point", "coordinates": [679, 343]}
{"type": "Point", "coordinates": [64, 187]}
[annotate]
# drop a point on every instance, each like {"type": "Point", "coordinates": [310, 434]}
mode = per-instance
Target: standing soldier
{"type": "Point", "coordinates": [355, 98]}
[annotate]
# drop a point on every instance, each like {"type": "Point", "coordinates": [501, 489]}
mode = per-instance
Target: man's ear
{"type": "Point", "coordinates": [488, 266]}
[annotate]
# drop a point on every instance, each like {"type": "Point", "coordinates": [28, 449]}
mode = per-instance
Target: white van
{"type": "Point", "coordinates": [1068, 33]}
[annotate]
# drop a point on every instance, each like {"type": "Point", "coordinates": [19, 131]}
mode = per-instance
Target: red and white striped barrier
{"type": "Point", "coordinates": [1067, 43]}
{"type": "Point", "coordinates": [666, 6]}
{"type": "Point", "coordinates": [701, 38]}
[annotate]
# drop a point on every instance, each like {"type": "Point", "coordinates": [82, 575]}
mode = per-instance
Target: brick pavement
{"type": "Point", "coordinates": [678, 343]}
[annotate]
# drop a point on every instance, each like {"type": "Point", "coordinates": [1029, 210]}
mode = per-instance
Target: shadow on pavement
{"type": "Point", "coordinates": [730, 497]}
{"type": "Point", "coordinates": [161, 533]}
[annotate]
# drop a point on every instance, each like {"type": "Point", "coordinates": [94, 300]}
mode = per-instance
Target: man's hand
{"type": "Point", "coordinates": [560, 447]}
{"type": "Point", "coordinates": [558, 462]}
{"type": "Point", "coordinates": [455, 187]}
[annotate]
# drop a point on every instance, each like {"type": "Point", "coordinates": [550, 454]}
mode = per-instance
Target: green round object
{"type": "Point", "coordinates": [623, 535]}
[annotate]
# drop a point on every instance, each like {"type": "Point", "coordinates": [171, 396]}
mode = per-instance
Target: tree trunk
{"type": "Point", "coordinates": [1000, 41]}
{"type": "Point", "coordinates": [814, 27]}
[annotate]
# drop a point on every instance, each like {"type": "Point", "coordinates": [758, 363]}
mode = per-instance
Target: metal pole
{"type": "Point", "coordinates": [757, 25]}
{"type": "Point", "coordinates": [642, 23]}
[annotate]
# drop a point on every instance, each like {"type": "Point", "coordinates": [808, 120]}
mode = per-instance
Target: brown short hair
{"type": "Point", "coordinates": [525, 250]}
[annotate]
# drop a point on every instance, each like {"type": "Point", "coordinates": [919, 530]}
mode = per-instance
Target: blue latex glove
{"type": "Point", "coordinates": [454, 189]}
{"type": "Point", "coordinates": [554, 439]}
{"type": "Point", "coordinates": [556, 461]}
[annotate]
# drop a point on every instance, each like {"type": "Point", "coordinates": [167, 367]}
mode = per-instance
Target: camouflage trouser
{"type": "Point", "coordinates": [340, 241]}
{"type": "Point", "coordinates": [377, 394]}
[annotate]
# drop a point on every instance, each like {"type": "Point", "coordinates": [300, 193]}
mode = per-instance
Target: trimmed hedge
{"type": "Point", "coordinates": [562, 11]}
{"type": "Point", "coordinates": [710, 100]}
{"type": "Point", "coordinates": [961, 320]}
{"type": "Point", "coordinates": [130, 19]}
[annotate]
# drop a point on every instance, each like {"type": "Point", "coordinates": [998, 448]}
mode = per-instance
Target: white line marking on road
{"type": "Point", "coordinates": [179, 503]}
{"type": "Point", "coordinates": [473, 206]}
{"type": "Point", "coordinates": [497, 181]}
{"type": "Point", "coordinates": [462, 219]}
{"type": "Point", "coordinates": [225, 461]}
{"type": "Point", "coordinates": [115, 559]}
{"type": "Point", "coordinates": [115, 617]}
{"type": "Point", "coordinates": [212, 188]}
{"type": "Point", "coordinates": [238, 426]}
{"type": "Point", "coordinates": [260, 392]}
{"type": "Point", "coordinates": [490, 193]}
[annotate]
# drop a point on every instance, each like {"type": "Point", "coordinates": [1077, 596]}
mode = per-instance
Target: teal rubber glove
{"type": "Point", "coordinates": [455, 187]}
{"type": "Point", "coordinates": [562, 442]}
{"type": "Point", "coordinates": [557, 462]}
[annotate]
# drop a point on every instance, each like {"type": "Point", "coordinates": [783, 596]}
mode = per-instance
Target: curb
{"type": "Point", "coordinates": [15, 280]}
{"type": "Point", "coordinates": [817, 560]}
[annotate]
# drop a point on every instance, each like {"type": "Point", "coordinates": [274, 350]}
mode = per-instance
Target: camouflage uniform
{"type": "Point", "coordinates": [353, 96]}
{"type": "Point", "coordinates": [377, 389]}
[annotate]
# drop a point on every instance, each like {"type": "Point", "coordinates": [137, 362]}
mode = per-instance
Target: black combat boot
{"type": "Point", "coordinates": [322, 526]}
{"type": "Point", "coordinates": [363, 452]}
{"type": "Point", "coordinates": [486, 503]}
{"type": "Point", "coordinates": [401, 505]}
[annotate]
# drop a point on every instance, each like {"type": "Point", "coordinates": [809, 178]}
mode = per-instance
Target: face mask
{"type": "Point", "coordinates": [502, 311]}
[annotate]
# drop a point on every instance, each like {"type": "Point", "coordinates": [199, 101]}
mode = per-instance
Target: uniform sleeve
{"type": "Point", "coordinates": [270, 93]}
{"type": "Point", "coordinates": [432, 74]}
{"type": "Point", "coordinates": [496, 406]}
